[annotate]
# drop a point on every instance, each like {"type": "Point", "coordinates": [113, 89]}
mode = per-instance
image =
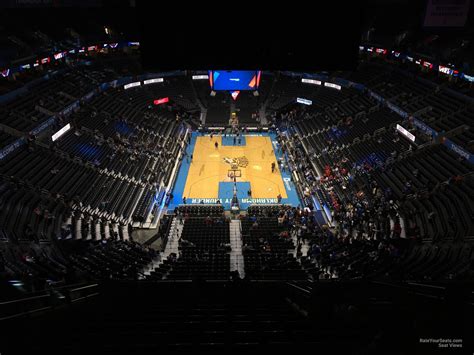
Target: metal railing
{"type": "Point", "coordinates": [49, 300]}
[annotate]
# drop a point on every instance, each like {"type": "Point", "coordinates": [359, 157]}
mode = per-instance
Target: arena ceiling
{"type": "Point", "coordinates": [247, 35]}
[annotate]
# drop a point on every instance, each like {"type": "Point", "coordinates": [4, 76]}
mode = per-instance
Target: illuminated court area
{"type": "Point", "coordinates": [205, 176]}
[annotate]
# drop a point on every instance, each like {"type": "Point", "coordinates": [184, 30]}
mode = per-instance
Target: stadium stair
{"type": "Point", "coordinates": [236, 257]}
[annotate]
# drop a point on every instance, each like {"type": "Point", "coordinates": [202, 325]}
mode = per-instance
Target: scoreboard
{"type": "Point", "coordinates": [231, 80]}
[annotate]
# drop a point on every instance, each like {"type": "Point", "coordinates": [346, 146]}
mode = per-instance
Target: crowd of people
{"type": "Point", "coordinates": [361, 238]}
{"type": "Point", "coordinates": [366, 227]}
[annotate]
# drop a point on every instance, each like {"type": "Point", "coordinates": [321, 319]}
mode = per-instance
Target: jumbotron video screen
{"type": "Point", "coordinates": [234, 79]}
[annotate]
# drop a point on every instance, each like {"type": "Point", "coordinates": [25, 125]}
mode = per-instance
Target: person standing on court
{"type": "Point", "coordinates": [273, 167]}
{"type": "Point", "coordinates": [216, 145]}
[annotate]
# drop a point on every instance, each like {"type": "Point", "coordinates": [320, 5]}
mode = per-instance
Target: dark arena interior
{"type": "Point", "coordinates": [183, 177]}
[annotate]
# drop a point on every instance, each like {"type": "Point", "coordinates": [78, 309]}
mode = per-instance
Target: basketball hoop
{"type": "Point", "coordinates": [234, 173]}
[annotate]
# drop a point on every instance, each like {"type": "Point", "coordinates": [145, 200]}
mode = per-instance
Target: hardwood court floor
{"type": "Point", "coordinates": [208, 168]}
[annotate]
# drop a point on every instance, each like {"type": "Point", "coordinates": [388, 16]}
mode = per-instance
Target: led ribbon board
{"type": "Point", "coordinates": [311, 81]}
{"type": "Point", "coordinates": [334, 86]}
{"type": "Point", "coordinates": [61, 132]}
{"type": "Point", "coordinates": [405, 132]}
{"type": "Point", "coordinates": [152, 81]}
{"type": "Point", "coordinates": [468, 78]}
{"type": "Point", "coordinates": [304, 101]}
{"type": "Point", "coordinates": [131, 85]}
{"type": "Point", "coordinates": [161, 101]}
{"type": "Point", "coordinates": [445, 70]}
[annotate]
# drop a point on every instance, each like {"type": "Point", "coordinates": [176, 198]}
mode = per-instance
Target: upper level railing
{"type": "Point", "coordinates": [49, 299]}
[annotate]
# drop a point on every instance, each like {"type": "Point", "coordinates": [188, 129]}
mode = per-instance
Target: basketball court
{"type": "Point", "coordinates": [207, 178]}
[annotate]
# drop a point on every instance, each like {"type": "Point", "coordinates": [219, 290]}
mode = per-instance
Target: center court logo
{"type": "Point", "coordinates": [235, 163]}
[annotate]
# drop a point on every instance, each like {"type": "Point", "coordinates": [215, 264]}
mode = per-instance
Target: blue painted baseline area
{"type": "Point", "coordinates": [228, 140]}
